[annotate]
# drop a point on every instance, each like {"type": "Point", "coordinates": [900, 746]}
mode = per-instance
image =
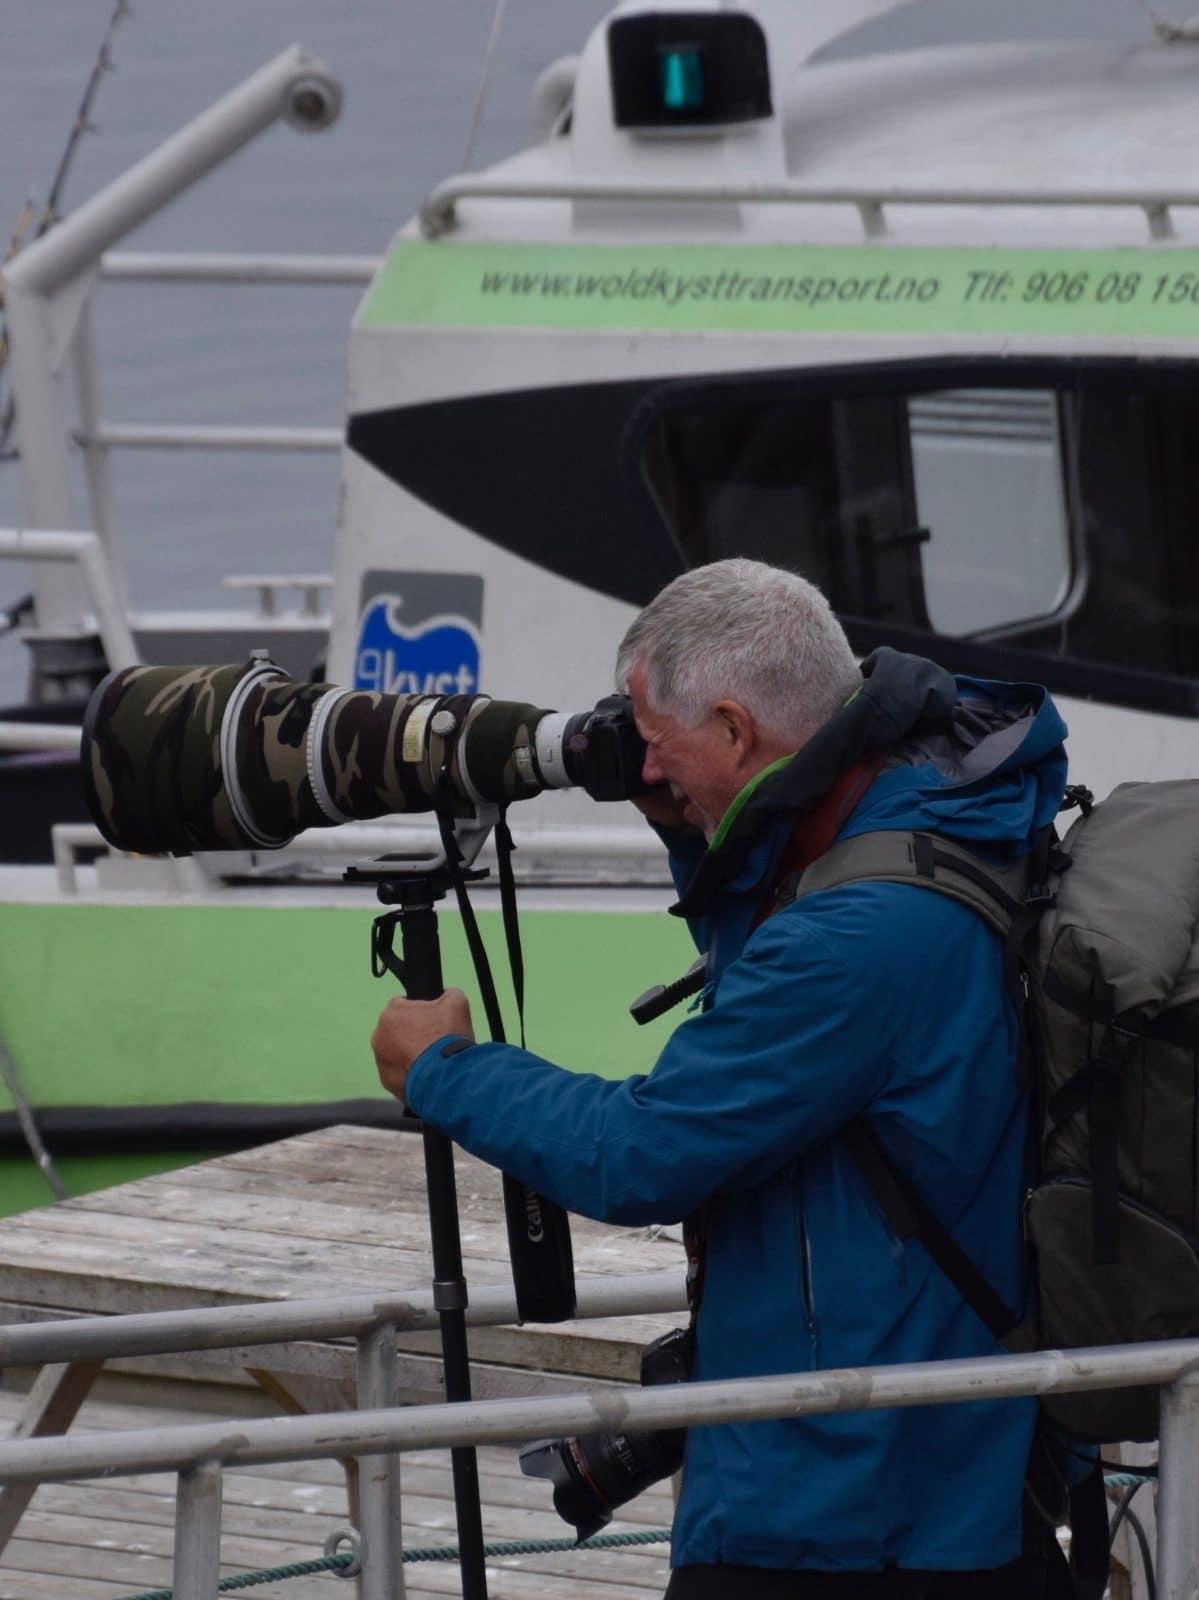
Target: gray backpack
{"type": "Point", "coordinates": [1101, 934]}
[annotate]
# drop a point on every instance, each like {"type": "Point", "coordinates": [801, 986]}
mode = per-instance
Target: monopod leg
{"type": "Point", "coordinates": [423, 981]}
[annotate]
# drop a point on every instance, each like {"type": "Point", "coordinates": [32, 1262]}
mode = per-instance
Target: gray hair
{"type": "Point", "coordinates": [745, 631]}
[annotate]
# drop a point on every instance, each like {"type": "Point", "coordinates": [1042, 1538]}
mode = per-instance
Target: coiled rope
{"type": "Point", "coordinates": [502, 1547]}
{"type": "Point", "coordinates": [433, 1552]}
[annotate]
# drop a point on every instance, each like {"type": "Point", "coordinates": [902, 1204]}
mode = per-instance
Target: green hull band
{"type": "Point", "coordinates": [870, 288]}
{"type": "Point", "coordinates": [146, 1005]}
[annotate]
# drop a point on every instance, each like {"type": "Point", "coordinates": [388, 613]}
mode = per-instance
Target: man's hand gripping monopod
{"type": "Point", "coordinates": [538, 1229]}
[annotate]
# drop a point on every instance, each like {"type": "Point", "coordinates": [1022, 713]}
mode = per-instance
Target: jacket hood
{"type": "Point", "coordinates": [975, 760]}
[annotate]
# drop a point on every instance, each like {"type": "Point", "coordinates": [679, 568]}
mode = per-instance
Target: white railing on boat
{"type": "Point", "coordinates": [438, 213]}
{"type": "Point", "coordinates": [47, 290]}
{"type": "Point", "coordinates": [199, 1453]}
{"type": "Point", "coordinates": [40, 545]}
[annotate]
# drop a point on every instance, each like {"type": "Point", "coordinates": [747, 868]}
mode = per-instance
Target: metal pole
{"type": "Point", "coordinates": [190, 436]}
{"type": "Point", "coordinates": [197, 1568]}
{"type": "Point", "coordinates": [423, 981]}
{"type": "Point", "coordinates": [681, 1405]}
{"type": "Point", "coordinates": [1178, 1490]}
{"type": "Point", "coordinates": [39, 736]}
{"type": "Point", "coordinates": [95, 456]}
{"type": "Point", "coordinates": [230, 1327]}
{"type": "Point", "coordinates": [162, 266]}
{"type": "Point", "coordinates": [438, 211]}
{"type": "Point", "coordinates": [379, 1476]}
{"type": "Point", "coordinates": [45, 453]}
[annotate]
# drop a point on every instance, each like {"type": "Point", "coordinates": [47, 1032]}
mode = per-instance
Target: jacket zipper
{"type": "Point", "coordinates": [805, 1263]}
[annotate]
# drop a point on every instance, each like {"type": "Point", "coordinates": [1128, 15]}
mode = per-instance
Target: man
{"type": "Point", "coordinates": [872, 999]}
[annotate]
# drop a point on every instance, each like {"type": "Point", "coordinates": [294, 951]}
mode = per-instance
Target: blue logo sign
{"type": "Point", "coordinates": [438, 655]}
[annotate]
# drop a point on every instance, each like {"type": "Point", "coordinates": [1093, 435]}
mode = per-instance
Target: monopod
{"type": "Point", "coordinates": [541, 1262]}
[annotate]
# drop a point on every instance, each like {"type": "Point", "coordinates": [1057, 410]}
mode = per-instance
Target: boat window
{"type": "Point", "coordinates": [943, 510]}
{"type": "Point", "coordinates": [1052, 519]}
{"type": "Point", "coordinates": [989, 492]}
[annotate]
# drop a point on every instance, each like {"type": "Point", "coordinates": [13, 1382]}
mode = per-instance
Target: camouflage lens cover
{"type": "Point", "coordinates": [499, 750]}
{"type": "Point", "coordinates": [151, 760]}
{"type": "Point", "coordinates": [177, 759]}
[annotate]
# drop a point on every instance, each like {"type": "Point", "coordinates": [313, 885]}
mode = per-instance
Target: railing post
{"type": "Point", "coordinates": [379, 1475]}
{"type": "Point", "coordinates": [198, 1532]}
{"type": "Point", "coordinates": [1178, 1490]}
{"type": "Point", "coordinates": [95, 456]}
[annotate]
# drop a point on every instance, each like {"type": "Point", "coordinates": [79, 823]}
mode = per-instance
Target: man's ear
{"type": "Point", "coordinates": [737, 728]}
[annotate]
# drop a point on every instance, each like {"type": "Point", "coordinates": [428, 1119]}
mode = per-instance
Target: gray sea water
{"type": "Point", "coordinates": [411, 72]}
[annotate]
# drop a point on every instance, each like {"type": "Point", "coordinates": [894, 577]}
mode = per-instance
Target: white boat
{"type": "Point", "coordinates": [921, 324]}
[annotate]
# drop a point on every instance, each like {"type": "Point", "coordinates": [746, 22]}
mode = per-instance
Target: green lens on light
{"type": "Point", "coordinates": [682, 74]}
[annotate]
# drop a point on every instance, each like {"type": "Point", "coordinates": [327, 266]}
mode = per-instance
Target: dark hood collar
{"type": "Point", "coordinates": [900, 696]}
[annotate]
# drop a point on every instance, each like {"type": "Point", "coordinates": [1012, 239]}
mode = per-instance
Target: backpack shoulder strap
{"type": "Point", "coordinates": [997, 893]}
{"type": "Point", "coordinates": [909, 1216]}
{"type": "Point", "coordinates": [1001, 896]}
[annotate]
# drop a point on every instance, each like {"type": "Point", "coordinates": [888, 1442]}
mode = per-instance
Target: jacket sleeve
{"type": "Point", "coordinates": [795, 1045]}
{"type": "Point", "coordinates": [685, 850]}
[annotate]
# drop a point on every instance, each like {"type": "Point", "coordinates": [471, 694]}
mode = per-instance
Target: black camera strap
{"type": "Point", "coordinates": [538, 1229]}
{"type": "Point", "coordinates": [504, 847]}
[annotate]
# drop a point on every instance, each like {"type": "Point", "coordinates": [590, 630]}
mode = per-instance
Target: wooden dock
{"type": "Point", "coordinates": [339, 1211]}
{"type": "Point", "coordinates": [105, 1541]}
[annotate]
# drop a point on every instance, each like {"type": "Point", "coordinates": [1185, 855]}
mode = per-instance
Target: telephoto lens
{"type": "Point", "coordinates": [594, 1473]}
{"type": "Point", "coordinates": [177, 759]}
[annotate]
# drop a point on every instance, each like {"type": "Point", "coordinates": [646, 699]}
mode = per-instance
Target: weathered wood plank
{"type": "Point", "coordinates": [218, 1253]}
{"type": "Point", "coordinates": [255, 1543]}
{"type": "Point", "coordinates": [513, 1577]}
{"type": "Point", "coordinates": [291, 1511]}
{"type": "Point", "coordinates": [484, 1236]}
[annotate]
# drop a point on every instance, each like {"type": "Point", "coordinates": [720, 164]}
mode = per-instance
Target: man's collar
{"type": "Point", "coordinates": [730, 816]}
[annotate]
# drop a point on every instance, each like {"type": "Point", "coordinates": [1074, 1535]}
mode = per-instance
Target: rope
{"type": "Point", "coordinates": [1124, 1480]}
{"type": "Point", "coordinates": [440, 1552]}
{"type": "Point", "coordinates": [503, 1547]}
{"type": "Point", "coordinates": [541, 1547]}
{"type": "Point", "coordinates": [247, 1580]}
{"type": "Point", "coordinates": [26, 1119]}
{"type": "Point", "coordinates": [497, 23]}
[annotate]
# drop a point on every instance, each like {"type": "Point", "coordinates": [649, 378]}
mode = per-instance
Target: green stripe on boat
{"type": "Point", "coordinates": [1061, 294]}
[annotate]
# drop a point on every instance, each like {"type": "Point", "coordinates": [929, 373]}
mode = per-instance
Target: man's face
{"type": "Point", "coordinates": [704, 766]}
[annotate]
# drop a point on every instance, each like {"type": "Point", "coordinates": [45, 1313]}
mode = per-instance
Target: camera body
{"type": "Point", "coordinates": [594, 1473]}
{"type": "Point", "coordinates": [599, 750]}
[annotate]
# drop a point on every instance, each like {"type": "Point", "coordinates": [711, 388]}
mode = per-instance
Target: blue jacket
{"type": "Point", "coordinates": [874, 998]}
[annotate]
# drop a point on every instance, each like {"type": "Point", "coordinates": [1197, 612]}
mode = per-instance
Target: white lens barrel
{"type": "Point", "coordinates": [549, 748]}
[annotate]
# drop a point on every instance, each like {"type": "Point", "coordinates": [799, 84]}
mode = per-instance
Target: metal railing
{"type": "Point", "coordinates": [373, 1321]}
{"type": "Point", "coordinates": [199, 1453]}
{"type": "Point", "coordinates": [87, 552]}
{"type": "Point", "coordinates": [47, 292]}
{"type": "Point", "coordinates": [541, 848]}
{"type": "Point", "coordinates": [438, 213]}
